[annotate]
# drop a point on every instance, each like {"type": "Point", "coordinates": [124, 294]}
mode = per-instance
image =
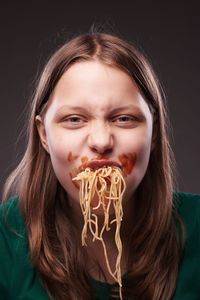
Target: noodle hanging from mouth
{"type": "Point", "coordinates": [109, 185]}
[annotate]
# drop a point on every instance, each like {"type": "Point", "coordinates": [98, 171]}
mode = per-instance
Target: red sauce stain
{"type": "Point", "coordinates": [82, 167]}
{"type": "Point", "coordinates": [84, 162]}
{"type": "Point", "coordinates": [128, 162]}
{"type": "Point", "coordinates": [71, 157]}
{"type": "Point", "coordinates": [75, 171]}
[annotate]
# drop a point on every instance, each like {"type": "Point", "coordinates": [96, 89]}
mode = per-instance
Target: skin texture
{"type": "Point", "coordinates": [96, 111]}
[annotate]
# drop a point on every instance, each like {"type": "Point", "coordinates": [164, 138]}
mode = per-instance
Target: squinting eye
{"type": "Point", "coordinates": [74, 121]}
{"type": "Point", "coordinates": [124, 119]}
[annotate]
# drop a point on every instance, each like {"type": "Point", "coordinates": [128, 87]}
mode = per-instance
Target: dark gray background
{"type": "Point", "coordinates": [168, 31]}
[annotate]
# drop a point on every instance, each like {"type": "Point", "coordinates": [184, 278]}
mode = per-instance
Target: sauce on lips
{"type": "Point", "coordinates": [75, 171]}
{"type": "Point", "coordinates": [99, 163]}
{"type": "Point", "coordinates": [84, 162]}
{"type": "Point", "coordinates": [127, 162]}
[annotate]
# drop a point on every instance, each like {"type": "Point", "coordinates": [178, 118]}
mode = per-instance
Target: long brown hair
{"type": "Point", "coordinates": [54, 253]}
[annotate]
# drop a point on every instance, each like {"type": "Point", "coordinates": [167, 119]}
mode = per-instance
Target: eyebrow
{"type": "Point", "coordinates": [126, 107]}
{"type": "Point", "coordinates": [115, 110]}
{"type": "Point", "coordinates": [69, 107]}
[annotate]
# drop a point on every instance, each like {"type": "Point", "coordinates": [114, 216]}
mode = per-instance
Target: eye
{"type": "Point", "coordinates": [74, 121]}
{"type": "Point", "coordinates": [124, 120]}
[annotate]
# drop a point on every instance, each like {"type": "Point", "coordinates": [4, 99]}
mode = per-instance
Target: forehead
{"type": "Point", "coordinates": [93, 83]}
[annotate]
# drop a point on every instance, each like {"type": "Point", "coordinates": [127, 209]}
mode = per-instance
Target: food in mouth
{"type": "Point", "coordinates": [99, 163]}
{"type": "Point", "coordinates": [104, 180]}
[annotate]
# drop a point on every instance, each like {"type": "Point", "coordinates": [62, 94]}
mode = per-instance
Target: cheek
{"type": "Point", "coordinates": [62, 146]}
{"type": "Point", "coordinates": [143, 150]}
{"type": "Point", "coordinates": [64, 152]}
{"type": "Point", "coordinates": [62, 159]}
{"type": "Point", "coordinates": [62, 155]}
{"type": "Point", "coordinates": [137, 142]}
{"type": "Point", "coordinates": [136, 157]}
{"type": "Point", "coordinates": [58, 152]}
{"type": "Point", "coordinates": [127, 161]}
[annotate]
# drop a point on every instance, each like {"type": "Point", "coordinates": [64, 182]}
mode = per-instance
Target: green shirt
{"type": "Point", "coordinates": [19, 280]}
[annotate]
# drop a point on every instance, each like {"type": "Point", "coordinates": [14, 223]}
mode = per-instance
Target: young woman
{"type": "Point", "coordinates": [90, 212]}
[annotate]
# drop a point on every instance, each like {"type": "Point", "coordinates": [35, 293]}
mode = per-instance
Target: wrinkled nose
{"type": "Point", "coordinates": [100, 139]}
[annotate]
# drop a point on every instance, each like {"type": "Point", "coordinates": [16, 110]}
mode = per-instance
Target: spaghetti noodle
{"type": "Point", "coordinates": [109, 185]}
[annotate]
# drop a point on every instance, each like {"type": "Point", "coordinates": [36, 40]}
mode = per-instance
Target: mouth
{"type": "Point", "coordinates": [99, 163]}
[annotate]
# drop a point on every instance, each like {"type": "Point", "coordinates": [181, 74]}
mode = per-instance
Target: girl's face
{"type": "Point", "coordinates": [96, 112]}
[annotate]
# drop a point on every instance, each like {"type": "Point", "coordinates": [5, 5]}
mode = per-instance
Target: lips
{"type": "Point", "coordinates": [95, 164]}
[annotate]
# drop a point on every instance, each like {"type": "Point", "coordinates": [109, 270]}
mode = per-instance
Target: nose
{"type": "Point", "coordinates": [100, 139]}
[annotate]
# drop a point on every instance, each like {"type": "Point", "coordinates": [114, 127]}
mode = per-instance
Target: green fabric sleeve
{"type": "Point", "coordinates": [188, 282]}
{"type": "Point", "coordinates": [18, 279]}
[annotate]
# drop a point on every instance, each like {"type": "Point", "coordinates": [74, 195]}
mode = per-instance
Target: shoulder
{"type": "Point", "coordinates": [9, 206]}
{"type": "Point", "coordinates": [13, 244]}
{"type": "Point", "coordinates": [18, 278]}
{"type": "Point", "coordinates": [11, 220]}
{"type": "Point", "coordinates": [188, 208]}
{"type": "Point", "coordinates": [187, 203]}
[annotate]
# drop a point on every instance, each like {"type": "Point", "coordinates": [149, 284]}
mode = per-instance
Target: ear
{"type": "Point", "coordinates": [42, 132]}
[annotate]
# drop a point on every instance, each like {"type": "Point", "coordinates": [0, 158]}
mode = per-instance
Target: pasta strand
{"type": "Point", "coordinates": [96, 182]}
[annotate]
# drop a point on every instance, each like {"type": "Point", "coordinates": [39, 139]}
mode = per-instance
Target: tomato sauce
{"type": "Point", "coordinates": [128, 161]}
